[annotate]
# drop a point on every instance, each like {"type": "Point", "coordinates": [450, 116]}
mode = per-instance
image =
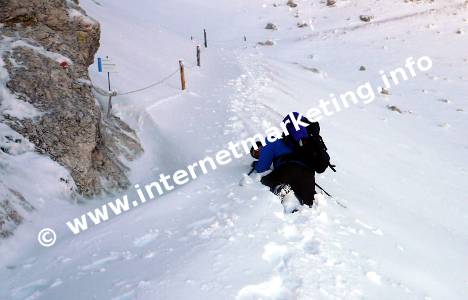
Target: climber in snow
{"type": "Point", "coordinates": [295, 157]}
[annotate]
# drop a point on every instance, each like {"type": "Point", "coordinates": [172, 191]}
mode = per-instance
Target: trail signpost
{"type": "Point", "coordinates": [105, 65]}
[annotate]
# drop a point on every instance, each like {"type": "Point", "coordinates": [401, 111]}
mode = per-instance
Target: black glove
{"type": "Point", "coordinates": [254, 164]}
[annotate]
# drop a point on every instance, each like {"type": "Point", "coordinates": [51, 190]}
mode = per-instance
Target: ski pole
{"type": "Point", "coordinates": [337, 202]}
{"type": "Point", "coordinates": [251, 171]}
{"type": "Point", "coordinates": [323, 190]}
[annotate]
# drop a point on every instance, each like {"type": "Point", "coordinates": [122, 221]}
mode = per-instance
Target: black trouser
{"type": "Point", "coordinates": [300, 178]}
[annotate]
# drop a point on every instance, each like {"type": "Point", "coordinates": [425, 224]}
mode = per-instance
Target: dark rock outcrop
{"type": "Point", "coordinates": [291, 3]}
{"type": "Point", "coordinates": [12, 204]}
{"type": "Point", "coordinates": [49, 45]}
{"type": "Point", "coordinates": [271, 26]}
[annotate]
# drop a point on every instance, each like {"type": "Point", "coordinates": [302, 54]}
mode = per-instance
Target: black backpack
{"type": "Point", "coordinates": [312, 150]}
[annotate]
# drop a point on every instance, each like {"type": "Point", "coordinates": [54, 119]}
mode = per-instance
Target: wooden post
{"type": "Point", "coordinates": [206, 41]}
{"type": "Point", "coordinates": [198, 55]}
{"type": "Point", "coordinates": [182, 74]}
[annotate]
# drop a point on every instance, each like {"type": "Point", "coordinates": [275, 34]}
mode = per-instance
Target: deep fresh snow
{"type": "Point", "coordinates": [403, 177]}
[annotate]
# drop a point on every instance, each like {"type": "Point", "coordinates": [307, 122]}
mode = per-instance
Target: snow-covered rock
{"type": "Point", "coordinates": [45, 56]}
{"type": "Point", "coordinates": [271, 26]}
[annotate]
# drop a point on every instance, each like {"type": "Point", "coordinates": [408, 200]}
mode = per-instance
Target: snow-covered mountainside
{"type": "Point", "coordinates": [402, 157]}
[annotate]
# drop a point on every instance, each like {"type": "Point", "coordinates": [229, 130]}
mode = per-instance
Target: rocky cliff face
{"type": "Point", "coordinates": [46, 47]}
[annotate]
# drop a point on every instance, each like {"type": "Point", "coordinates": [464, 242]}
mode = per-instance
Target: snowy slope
{"type": "Point", "coordinates": [402, 176]}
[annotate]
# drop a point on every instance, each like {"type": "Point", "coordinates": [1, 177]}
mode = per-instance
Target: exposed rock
{"type": "Point", "coordinates": [267, 43]}
{"type": "Point", "coordinates": [331, 2]}
{"type": "Point", "coordinates": [302, 24]}
{"type": "Point", "coordinates": [443, 100]}
{"type": "Point", "coordinates": [362, 68]}
{"type": "Point", "coordinates": [394, 108]}
{"type": "Point", "coordinates": [384, 91]}
{"type": "Point", "coordinates": [317, 71]}
{"type": "Point", "coordinates": [50, 45]}
{"type": "Point", "coordinates": [271, 26]}
{"type": "Point", "coordinates": [366, 18]}
{"type": "Point", "coordinates": [291, 3]}
{"type": "Point", "coordinates": [460, 31]}
{"type": "Point", "coordinates": [12, 206]}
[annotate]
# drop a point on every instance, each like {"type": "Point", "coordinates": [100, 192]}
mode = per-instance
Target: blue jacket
{"type": "Point", "coordinates": [270, 153]}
